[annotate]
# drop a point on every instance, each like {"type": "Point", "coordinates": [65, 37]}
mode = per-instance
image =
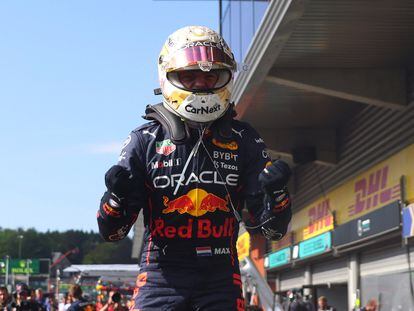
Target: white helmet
{"type": "Point", "coordinates": [191, 54]}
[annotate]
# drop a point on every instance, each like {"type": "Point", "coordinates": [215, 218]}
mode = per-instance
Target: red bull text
{"type": "Point", "coordinates": [199, 228]}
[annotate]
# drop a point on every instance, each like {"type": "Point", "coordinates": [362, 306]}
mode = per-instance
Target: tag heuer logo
{"type": "Point", "coordinates": [165, 147]}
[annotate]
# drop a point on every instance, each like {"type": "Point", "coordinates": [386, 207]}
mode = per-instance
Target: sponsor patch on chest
{"type": "Point", "coordinates": [165, 163]}
{"type": "Point", "coordinates": [165, 147]}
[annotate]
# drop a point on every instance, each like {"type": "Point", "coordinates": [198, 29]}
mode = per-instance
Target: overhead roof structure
{"type": "Point", "coordinates": [115, 270]}
{"type": "Point", "coordinates": [313, 64]}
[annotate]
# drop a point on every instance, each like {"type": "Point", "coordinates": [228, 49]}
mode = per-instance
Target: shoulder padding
{"type": "Point", "coordinates": [172, 123]}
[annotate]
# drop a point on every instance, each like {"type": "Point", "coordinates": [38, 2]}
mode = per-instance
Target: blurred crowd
{"type": "Point", "coordinates": [296, 302]}
{"type": "Point", "coordinates": [25, 299]}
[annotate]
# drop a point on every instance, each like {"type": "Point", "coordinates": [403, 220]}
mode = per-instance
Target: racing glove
{"type": "Point", "coordinates": [276, 213]}
{"type": "Point", "coordinates": [118, 181]}
{"type": "Point", "coordinates": [275, 177]}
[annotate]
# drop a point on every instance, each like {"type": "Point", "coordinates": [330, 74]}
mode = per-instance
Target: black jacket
{"type": "Point", "coordinates": [221, 174]}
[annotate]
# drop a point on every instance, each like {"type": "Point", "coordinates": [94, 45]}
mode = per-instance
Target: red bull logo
{"type": "Point", "coordinates": [200, 228]}
{"type": "Point", "coordinates": [196, 202]}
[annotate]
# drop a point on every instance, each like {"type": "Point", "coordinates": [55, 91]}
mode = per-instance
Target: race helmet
{"type": "Point", "coordinates": [196, 70]}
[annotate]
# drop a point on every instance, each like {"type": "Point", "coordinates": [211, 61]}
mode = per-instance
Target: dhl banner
{"type": "Point", "coordinates": [243, 245]}
{"type": "Point", "coordinates": [318, 226]}
{"type": "Point", "coordinates": [371, 190]}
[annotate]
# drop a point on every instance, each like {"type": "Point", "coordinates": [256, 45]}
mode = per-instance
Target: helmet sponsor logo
{"type": "Point", "coordinates": [225, 145]}
{"type": "Point", "coordinates": [205, 177]}
{"type": "Point", "coordinates": [170, 42]}
{"type": "Point", "coordinates": [202, 110]}
{"type": "Point", "coordinates": [259, 140]}
{"type": "Point", "coordinates": [165, 147]}
{"type": "Point", "coordinates": [203, 43]}
{"type": "Point", "coordinates": [195, 228]}
{"type": "Point", "coordinates": [196, 202]}
{"type": "Point", "coordinates": [205, 65]}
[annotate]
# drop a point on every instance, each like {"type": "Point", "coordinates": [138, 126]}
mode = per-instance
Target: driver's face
{"type": "Point", "coordinates": [197, 79]}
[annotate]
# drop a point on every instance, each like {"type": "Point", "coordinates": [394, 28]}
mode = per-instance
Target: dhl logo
{"type": "Point", "coordinates": [196, 202]}
{"type": "Point", "coordinates": [230, 145]}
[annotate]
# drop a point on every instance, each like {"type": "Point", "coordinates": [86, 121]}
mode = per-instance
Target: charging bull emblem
{"type": "Point", "coordinates": [196, 202]}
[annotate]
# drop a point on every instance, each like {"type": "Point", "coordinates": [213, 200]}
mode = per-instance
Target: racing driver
{"type": "Point", "coordinates": [192, 169]}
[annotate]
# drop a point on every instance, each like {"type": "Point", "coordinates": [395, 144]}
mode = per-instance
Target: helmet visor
{"type": "Point", "coordinates": [205, 55]}
{"type": "Point", "coordinates": [199, 80]}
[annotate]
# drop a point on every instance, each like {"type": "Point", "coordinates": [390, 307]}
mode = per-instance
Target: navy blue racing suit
{"type": "Point", "coordinates": [189, 258]}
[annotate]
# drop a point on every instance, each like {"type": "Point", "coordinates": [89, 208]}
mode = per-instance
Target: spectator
{"type": "Point", "coordinates": [298, 305]}
{"type": "Point", "coordinates": [31, 295]}
{"type": "Point", "coordinates": [129, 305]}
{"type": "Point", "coordinates": [114, 302]}
{"type": "Point", "coordinates": [40, 299]}
{"type": "Point", "coordinates": [296, 302]}
{"type": "Point", "coordinates": [323, 304]}
{"type": "Point", "coordinates": [99, 303]}
{"type": "Point", "coordinates": [50, 303]}
{"type": "Point", "coordinates": [78, 302]}
{"type": "Point", "coordinates": [65, 302]}
{"type": "Point", "coordinates": [308, 303]}
{"type": "Point", "coordinates": [5, 298]}
{"type": "Point", "coordinates": [372, 305]}
{"type": "Point", "coordinates": [62, 300]}
{"type": "Point", "coordinates": [23, 303]}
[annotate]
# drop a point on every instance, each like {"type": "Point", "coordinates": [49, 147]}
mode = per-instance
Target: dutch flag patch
{"type": "Point", "coordinates": [204, 251]}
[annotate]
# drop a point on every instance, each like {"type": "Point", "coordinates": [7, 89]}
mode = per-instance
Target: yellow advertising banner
{"type": "Point", "coordinates": [243, 245]}
{"type": "Point", "coordinates": [319, 226]}
{"type": "Point", "coordinates": [371, 190]}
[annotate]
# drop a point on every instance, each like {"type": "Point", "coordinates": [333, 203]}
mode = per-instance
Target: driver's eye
{"type": "Point", "coordinates": [186, 77]}
{"type": "Point", "coordinates": [210, 77]}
